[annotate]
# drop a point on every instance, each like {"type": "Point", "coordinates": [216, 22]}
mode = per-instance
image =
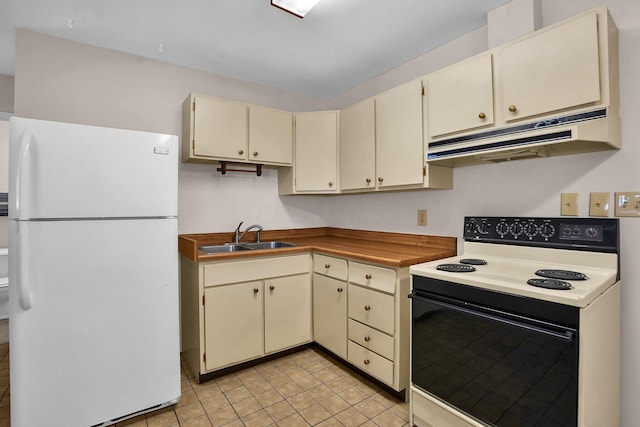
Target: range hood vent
{"type": "Point", "coordinates": [571, 134]}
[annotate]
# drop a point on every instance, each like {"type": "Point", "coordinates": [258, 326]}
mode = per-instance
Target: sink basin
{"type": "Point", "coordinates": [217, 249]}
{"type": "Point", "coordinates": [236, 247]}
{"type": "Point", "coordinates": [268, 245]}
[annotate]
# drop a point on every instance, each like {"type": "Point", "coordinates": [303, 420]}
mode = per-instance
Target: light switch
{"type": "Point", "coordinates": [627, 203]}
{"type": "Point", "coordinates": [569, 204]}
{"type": "Point", "coordinates": [599, 204]}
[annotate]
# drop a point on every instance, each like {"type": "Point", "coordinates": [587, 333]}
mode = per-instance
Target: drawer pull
{"type": "Point", "coordinates": [327, 265]}
{"type": "Point", "coordinates": [366, 361]}
{"type": "Point", "coordinates": [255, 290]}
{"type": "Point", "coordinates": [271, 287]}
{"type": "Point", "coordinates": [241, 152]}
{"type": "Point", "coordinates": [367, 276]}
{"type": "Point", "coordinates": [367, 307]}
{"type": "Point", "coordinates": [367, 339]}
{"type": "Point", "coordinates": [339, 289]}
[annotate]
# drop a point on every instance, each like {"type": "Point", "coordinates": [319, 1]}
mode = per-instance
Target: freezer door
{"type": "Point", "coordinates": [99, 338]}
{"type": "Point", "coordinates": [62, 170]}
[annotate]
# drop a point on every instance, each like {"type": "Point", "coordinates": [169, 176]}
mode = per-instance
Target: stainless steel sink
{"type": "Point", "coordinates": [236, 247]}
{"type": "Point", "coordinates": [218, 249]}
{"type": "Point", "coordinates": [269, 245]}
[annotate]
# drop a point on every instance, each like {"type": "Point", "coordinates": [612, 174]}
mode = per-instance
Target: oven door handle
{"type": "Point", "coordinates": [566, 334]}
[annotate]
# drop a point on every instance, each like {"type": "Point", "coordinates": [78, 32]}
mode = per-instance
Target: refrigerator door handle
{"type": "Point", "coordinates": [22, 282]}
{"type": "Point", "coordinates": [23, 172]}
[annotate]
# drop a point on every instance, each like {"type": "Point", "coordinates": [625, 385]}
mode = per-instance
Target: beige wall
{"type": "Point", "coordinates": [6, 93]}
{"type": "Point", "coordinates": [60, 80]}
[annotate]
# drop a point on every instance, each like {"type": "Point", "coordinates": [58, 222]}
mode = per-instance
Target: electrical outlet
{"type": "Point", "coordinates": [422, 217]}
{"type": "Point", "coordinates": [569, 204]}
{"type": "Point", "coordinates": [627, 203]}
{"type": "Point", "coordinates": [599, 204]}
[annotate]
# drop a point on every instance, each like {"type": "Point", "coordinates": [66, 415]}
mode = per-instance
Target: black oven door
{"type": "Point", "coordinates": [501, 368]}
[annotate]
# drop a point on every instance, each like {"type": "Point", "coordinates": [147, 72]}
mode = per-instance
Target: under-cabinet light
{"type": "Point", "coordinates": [298, 8]}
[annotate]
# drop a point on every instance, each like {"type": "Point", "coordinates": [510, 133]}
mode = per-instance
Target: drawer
{"type": "Point", "coordinates": [432, 413]}
{"type": "Point", "coordinates": [330, 266]}
{"type": "Point", "coordinates": [374, 277]}
{"type": "Point", "coordinates": [247, 270]}
{"type": "Point", "coordinates": [370, 362]}
{"type": "Point", "coordinates": [371, 307]}
{"type": "Point", "coordinates": [370, 338]}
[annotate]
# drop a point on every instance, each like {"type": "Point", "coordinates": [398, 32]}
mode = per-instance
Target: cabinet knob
{"type": "Point", "coordinates": [367, 307]}
{"type": "Point", "coordinates": [380, 179]}
{"type": "Point", "coordinates": [366, 361]}
{"type": "Point", "coordinates": [367, 339]}
{"type": "Point", "coordinates": [482, 116]}
{"type": "Point", "coordinates": [327, 265]}
{"type": "Point", "coordinates": [271, 287]}
{"type": "Point", "coordinates": [367, 276]}
{"type": "Point", "coordinates": [339, 289]}
{"type": "Point", "coordinates": [255, 153]}
{"type": "Point", "coordinates": [368, 180]}
{"type": "Point", "coordinates": [241, 152]}
{"type": "Point", "coordinates": [330, 183]}
{"type": "Point", "coordinates": [255, 290]}
{"type": "Point", "coordinates": [512, 108]}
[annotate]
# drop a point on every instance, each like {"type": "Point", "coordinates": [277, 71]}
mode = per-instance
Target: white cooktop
{"type": "Point", "coordinates": [509, 267]}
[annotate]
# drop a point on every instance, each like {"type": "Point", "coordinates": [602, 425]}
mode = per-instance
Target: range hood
{"type": "Point", "coordinates": [576, 133]}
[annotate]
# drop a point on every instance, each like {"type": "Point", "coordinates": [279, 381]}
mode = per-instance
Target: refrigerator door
{"type": "Point", "coordinates": [62, 170]}
{"type": "Point", "coordinates": [99, 336]}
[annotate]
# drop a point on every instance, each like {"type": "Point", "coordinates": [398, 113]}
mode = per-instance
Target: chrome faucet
{"type": "Point", "coordinates": [239, 236]}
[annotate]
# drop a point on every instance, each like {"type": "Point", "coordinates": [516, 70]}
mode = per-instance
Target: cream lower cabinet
{"type": "Point", "coordinates": [236, 311]}
{"type": "Point", "coordinates": [330, 303]}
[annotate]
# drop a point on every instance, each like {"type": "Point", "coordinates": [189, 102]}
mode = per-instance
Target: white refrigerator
{"type": "Point", "coordinates": [93, 273]}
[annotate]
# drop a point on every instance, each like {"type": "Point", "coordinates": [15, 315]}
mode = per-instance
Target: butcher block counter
{"type": "Point", "coordinates": [390, 249]}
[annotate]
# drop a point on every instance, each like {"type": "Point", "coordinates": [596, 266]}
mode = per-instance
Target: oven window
{"type": "Point", "coordinates": [499, 371]}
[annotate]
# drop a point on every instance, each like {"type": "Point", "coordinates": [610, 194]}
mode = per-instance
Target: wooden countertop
{"type": "Point", "coordinates": [391, 249]}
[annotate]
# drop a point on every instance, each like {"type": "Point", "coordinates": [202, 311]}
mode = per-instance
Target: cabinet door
{"type": "Point", "coordinates": [330, 314]}
{"type": "Point", "coordinates": [220, 129]}
{"type": "Point", "coordinates": [270, 135]}
{"type": "Point", "coordinates": [358, 146]}
{"type": "Point", "coordinates": [287, 312]}
{"type": "Point", "coordinates": [460, 97]}
{"type": "Point", "coordinates": [552, 70]}
{"type": "Point", "coordinates": [233, 323]}
{"type": "Point", "coordinates": [399, 147]}
{"type": "Point", "coordinates": [316, 151]}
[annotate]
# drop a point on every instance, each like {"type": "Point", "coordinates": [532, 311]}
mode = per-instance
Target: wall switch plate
{"type": "Point", "coordinates": [422, 217]}
{"type": "Point", "coordinates": [627, 203]}
{"type": "Point", "coordinates": [599, 204]}
{"type": "Point", "coordinates": [569, 204]}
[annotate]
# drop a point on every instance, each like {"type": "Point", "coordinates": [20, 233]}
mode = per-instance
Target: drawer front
{"type": "Point", "coordinates": [371, 339]}
{"type": "Point", "coordinates": [330, 266]}
{"type": "Point", "coordinates": [372, 308]}
{"type": "Point", "coordinates": [374, 277]}
{"type": "Point", "coordinates": [251, 269]}
{"type": "Point", "coordinates": [430, 413]}
{"type": "Point", "coordinates": [370, 362]}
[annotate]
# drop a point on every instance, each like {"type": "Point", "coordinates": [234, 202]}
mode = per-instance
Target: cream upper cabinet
{"type": "Point", "coordinates": [551, 70]}
{"type": "Point", "coordinates": [287, 312]}
{"type": "Point", "coordinates": [399, 145]}
{"type": "Point", "coordinates": [358, 146]}
{"type": "Point", "coordinates": [316, 151]}
{"type": "Point", "coordinates": [216, 129]}
{"type": "Point", "coordinates": [270, 135]}
{"type": "Point", "coordinates": [460, 97]}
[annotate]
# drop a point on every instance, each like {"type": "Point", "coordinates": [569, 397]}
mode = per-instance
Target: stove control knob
{"type": "Point", "coordinates": [483, 228]}
{"type": "Point", "coordinates": [502, 228]}
{"type": "Point", "coordinates": [530, 229]}
{"type": "Point", "coordinates": [547, 230]}
{"type": "Point", "coordinates": [470, 226]}
{"type": "Point", "coordinates": [516, 229]}
{"type": "Point", "coordinates": [591, 232]}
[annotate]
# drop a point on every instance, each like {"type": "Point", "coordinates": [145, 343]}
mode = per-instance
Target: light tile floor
{"type": "Point", "coordinates": [308, 388]}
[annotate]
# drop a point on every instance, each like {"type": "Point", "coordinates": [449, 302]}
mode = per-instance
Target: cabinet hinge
{"type": "Point", "coordinates": [424, 171]}
{"type": "Point", "coordinates": [202, 299]}
{"type": "Point", "coordinates": [193, 106]}
{"type": "Point", "coordinates": [193, 144]}
{"type": "Point", "coordinates": [204, 357]}
{"type": "Point", "coordinates": [422, 90]}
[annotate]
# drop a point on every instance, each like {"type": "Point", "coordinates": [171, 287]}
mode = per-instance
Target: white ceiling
{"type": "Point", "coordinates": [337, 46]}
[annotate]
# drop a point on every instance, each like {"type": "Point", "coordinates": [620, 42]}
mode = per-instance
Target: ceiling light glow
{"type": "Point", "coordinates": [298, 8]}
